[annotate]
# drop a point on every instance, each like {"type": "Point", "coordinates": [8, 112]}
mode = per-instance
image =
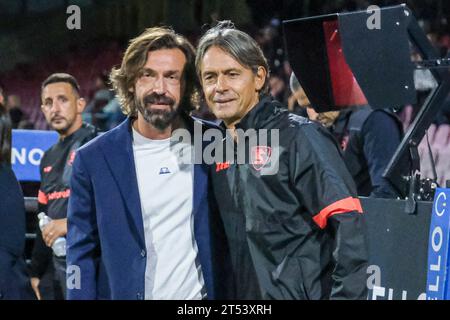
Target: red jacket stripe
{"type": "Point", "coordinates": [42, 198]}
{"type": "Point", "coordinates": [341, 206]}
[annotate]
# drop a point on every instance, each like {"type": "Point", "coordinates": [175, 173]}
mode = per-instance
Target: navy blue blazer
{"type": "Point", "coordinates": [14, 281]}
{"type": "Point", "coordinates": [105, 239]}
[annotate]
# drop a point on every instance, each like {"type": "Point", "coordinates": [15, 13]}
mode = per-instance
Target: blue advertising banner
{"type": "Point", "coordinates": [28, 147]}
{"type": "Point", "coordinates": [438, 248]}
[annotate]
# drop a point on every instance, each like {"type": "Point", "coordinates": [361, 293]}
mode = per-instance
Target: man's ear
{"type": "Point", "coordinates": [81, 104]}
{"type": "Point", "coordinates": [260, 78]}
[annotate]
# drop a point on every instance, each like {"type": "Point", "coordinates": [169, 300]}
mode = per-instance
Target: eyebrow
{"type": "Point", "coordinates": [57, 97]}
{"type": "Point", "coordinates": [172, 72]}
{"type": "Point", "coordinates": [231, 70]}
{"type": "Point", "coordinates": [208, 72]}
{"type": "Point", "coordinates": [147, 70]}
{"type": "Point", "coordinates": [165, 73]}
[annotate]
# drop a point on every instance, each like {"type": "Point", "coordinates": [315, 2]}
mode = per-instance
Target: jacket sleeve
{"type": "Point", "coordinates": [82, 236]}
{"type": "Point", "coordinates": [328, 193]}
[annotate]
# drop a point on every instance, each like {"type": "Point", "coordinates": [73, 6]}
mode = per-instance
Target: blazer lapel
{"type": "Point", "coordinates": [120, 159]}
{"type": "Point", "coordinates": [200, 185]}
{"type": "Point", "coordinates": [202, 226]}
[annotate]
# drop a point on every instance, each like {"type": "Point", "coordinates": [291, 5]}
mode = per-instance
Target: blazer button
{"type": "Point", "coordinates": [143, 253]}
{"type": "Point", "coordinates": [139, 296]}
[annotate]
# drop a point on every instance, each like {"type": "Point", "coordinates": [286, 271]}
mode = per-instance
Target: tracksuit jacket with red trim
{"type": "Point", "coordinates": [54, 191]}
{"type": "Point", "coordinates": [304, 227]}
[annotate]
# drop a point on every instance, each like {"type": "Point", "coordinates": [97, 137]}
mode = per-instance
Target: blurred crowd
{"type": "Point", "coordinates": [103, 109]}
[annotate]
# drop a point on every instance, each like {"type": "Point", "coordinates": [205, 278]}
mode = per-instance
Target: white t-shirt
{"type": "Point", "coordinates": [166, 192]}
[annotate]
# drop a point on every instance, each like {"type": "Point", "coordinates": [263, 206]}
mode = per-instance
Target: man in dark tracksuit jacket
{"type": "Point", "coordinates": [54, 191]}
{"type": "Point", "coordinates": [292, 218]}
{"type": "Point", "coordinates": [62, 106]}
{"type": "Point", "coordinates": [369, 139]}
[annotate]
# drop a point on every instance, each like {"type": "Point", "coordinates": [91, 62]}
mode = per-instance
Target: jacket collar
{"type": "Point", "coordinates": [259, 114]}
{"type": "Point", "coordinates": [84, 129]}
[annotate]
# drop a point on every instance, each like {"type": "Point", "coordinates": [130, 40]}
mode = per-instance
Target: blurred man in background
{"type": "Point", "coordinates": [62, 106]}
{"type": "Point", "coordinates": [368, 139]}
{"type": "Point", "coordinates": [2, 96]}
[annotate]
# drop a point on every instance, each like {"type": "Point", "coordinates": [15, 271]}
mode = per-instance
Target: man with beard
{"type": "Point", "coordinates": [139, 217]}
{"type": "Point", "coordinates": [62, 106]}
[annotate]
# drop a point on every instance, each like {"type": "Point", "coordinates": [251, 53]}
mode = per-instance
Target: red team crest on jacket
{"type": "Point", "coordinates": [260, 156]}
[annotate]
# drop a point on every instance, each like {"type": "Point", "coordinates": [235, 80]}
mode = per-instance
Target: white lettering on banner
{"type": "Point", "coordinates": [436, 247]}
{"type": "Point", "coordinates": [21, 157]}
{"type": "Point", "coordinates": [440, 213]}
{"type": "Point", "coordinates": [34, 156]}
{"type": "Point", "coordinates": [423, 296]}
{"type": "Point", "coordinates": [378, 291]}
{"type": "Point", "coordinates": [391, 293]}
{"type": "Point", "coordinates": [404, 295]}
{"type": "Point", "coordinates": [437, 231]}
{"type": "Point", "coordinates": [32, 159]}
{"type": "Point", "coordinates": [435, 261]}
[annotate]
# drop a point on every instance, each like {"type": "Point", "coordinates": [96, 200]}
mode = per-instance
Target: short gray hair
{"type": "Point", "coordinates": [238, 44]}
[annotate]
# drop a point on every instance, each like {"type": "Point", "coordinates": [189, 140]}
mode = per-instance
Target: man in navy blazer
{"type": "Point", "coordinates": [140, 222]}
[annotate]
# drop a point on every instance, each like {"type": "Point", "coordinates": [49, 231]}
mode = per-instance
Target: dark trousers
{"type": "Point", "coordinates": [59, 264]}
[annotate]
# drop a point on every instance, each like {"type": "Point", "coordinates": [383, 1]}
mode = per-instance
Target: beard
{"type": "Point", "coordinates": [62, 126]}
{"type": "Point", "coordinates": [160, 119]}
